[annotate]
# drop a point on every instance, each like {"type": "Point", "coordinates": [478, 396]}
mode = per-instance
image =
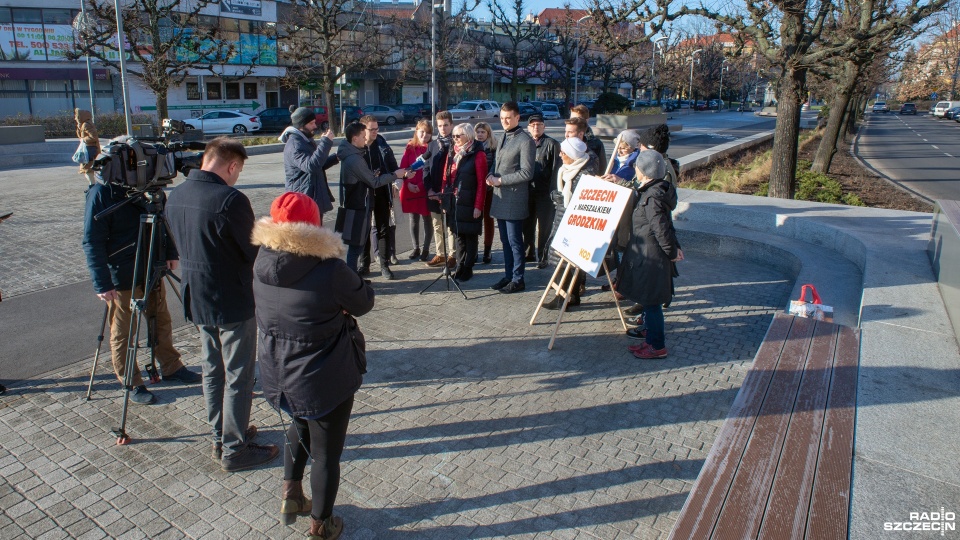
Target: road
{"type": "Point", "coordinates": [50, 317]}
{"type": "Point", "coordinates": [921, 153]}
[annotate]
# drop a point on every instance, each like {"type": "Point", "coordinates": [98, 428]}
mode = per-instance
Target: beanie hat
{"type": "Point", "coordinates": [292, 207]}
{"type": "Point", "coordinates": [630, 138]}
{"type": "Point", "coordinates": [574, 147]}
{"type": "Point", "coordinates": [656, 138]}
{"type": "Point", "coordinates": [301, 117]}
{"type": "Point", "coordinates": [650, 164]}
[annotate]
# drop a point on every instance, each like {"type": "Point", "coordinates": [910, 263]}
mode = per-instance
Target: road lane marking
{"type": "Point", "coordinates": [925, 140]}
{"type": "Point", "coordinates": [946, 154]}
{"type": "Point", "coordinates": [935, 146]}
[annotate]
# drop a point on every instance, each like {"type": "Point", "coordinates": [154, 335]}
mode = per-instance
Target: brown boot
{"type": "Point", "coordinates": [293, 501]}
{"type": "Point", "coordinates": [325, 529]}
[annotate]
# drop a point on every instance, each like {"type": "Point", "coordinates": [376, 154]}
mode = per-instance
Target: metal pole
{"type": "Point", "coordinates": [93, 108]}
{"type": "Point", "coordinates": [576, 63]}
{"type": "Point", "coordinates": [121, 40]}
{"type": "Point", "coordinates": [433, 59]}
{"type": "Point", "coordinates": [720, 97]}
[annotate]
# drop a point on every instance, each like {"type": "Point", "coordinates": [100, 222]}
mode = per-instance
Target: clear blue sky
{"type": "Point", "coordinates": [534, 6]}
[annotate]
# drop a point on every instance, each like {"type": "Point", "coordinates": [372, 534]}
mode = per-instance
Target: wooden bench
{"type": "Point", "coordinates": [781, 465]}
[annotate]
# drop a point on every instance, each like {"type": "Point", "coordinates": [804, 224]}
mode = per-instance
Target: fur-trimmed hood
{"type": "Point", "coordinates": [292, 250]}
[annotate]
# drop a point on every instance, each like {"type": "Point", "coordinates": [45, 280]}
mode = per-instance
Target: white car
{"type": "Point", "coordinates": [475, 110]}
{"type": "Point", "coordinates": [550, 111]}
{"type": "Point", "coordinates": [225, 122]}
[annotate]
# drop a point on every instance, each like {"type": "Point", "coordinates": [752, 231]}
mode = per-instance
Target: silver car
{"type": "Point", "coordinates": [382, 113]}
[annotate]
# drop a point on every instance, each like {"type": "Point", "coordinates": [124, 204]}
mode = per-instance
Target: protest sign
{"type": "Point", "coordinates": [589, 222]}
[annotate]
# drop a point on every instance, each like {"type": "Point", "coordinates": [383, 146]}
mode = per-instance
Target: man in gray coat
{"type": "Point", "coordinates": [305, 161]}
{"type": "Point", "coordinates": [511, 177]}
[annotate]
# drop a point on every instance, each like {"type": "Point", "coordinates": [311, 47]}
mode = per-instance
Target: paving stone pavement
{"type": "Point", "coordinates": [466, 426]}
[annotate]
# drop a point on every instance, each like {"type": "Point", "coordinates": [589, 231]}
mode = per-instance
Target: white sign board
{"type": "Point", "coordinates": [589, 222]}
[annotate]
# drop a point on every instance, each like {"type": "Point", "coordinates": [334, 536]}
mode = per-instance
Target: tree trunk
{"type": "Point", "coordinates": [855, 107]}
{"type": "Point", "coordinates": [783, 174]}
{"type": "Point", "coordinates": [162, 111]}
{"type": "Point", "coordinates": [843, 123]}
{"type": "Point", "coordinates": [838, 109]}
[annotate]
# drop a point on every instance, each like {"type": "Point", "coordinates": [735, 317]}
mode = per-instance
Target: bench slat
{"type": "Point", "coordinates": [709, 491]}
{"type": "Point", "coordinates": [741, 516]}
{"type": "Point", "coordinates": [830, 502]}
{"type": "Point", "coordinates": [786, 512]}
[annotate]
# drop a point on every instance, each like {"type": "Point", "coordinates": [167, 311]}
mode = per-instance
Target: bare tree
{"type": "Point", "coordinates": [518, 43]}
{"type": "Point", "coordinates": [569, 48]}
{"type": "Point", "coordinates": [167, 39]}
{"type": "Point", "coordinates": [325, 39]}
{"type": "Point", "coordinates": [879, 26]}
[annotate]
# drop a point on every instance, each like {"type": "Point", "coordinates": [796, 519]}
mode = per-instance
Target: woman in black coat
{"type": "Point", "coordinates": [311, 353]}
{"type": "Point", "coordinates": [464, 193]}
{"type": "Point", "coordinates": [647, 270]}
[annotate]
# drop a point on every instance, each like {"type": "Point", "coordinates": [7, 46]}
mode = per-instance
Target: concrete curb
{"type": "Point", "coordinates": [709, 155]}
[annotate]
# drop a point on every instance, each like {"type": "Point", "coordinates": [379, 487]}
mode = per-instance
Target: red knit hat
{"type": "Point", "coordinates": [295, 208]}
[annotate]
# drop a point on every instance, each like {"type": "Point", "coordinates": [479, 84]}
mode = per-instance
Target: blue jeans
{"type": "Point", "coordinates": [228, 353]}
{"type": "Point", "coordinates": [353, 256]}
{"type": "Point", "coordinates": [511, 236]}
{"type": "Point", "coordinates": [653, 321]}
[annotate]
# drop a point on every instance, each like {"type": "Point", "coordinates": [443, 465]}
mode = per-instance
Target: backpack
{"type": "Point", "coordinates": [137, 164]}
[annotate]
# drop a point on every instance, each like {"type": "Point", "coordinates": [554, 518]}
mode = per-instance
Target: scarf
{"type": "Point", "coordinates": [453, 162]}
{"type": "Point", "coordinates": [566, 176]}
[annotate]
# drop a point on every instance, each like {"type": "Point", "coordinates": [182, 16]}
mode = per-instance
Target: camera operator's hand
{"type": "Point", "coordinates": [108, 296]}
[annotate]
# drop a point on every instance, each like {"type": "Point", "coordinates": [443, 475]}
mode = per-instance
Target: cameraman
{"type": "Point", "coordinates": [305, 160]}
{"type": "Point", "coordinates": [110, 247]}
{"type": "Point", "coordinates": [212, 222]}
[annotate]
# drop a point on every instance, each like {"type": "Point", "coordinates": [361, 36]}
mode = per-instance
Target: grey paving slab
{"type": "Point", "coordinates": [466, 425]}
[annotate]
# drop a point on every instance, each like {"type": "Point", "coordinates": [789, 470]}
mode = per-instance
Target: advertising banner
{"type": "Point", "coordinates": [26, 41]}
{"type": "Point", "coordinates": [589, 222]}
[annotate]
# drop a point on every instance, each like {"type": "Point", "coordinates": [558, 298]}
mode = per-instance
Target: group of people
{"type": "Point", "coordinates": [285, 292]}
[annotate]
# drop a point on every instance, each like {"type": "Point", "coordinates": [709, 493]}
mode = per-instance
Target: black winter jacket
{"type": "Point", "coordinates": [110, 243]}
{"type": "Point", "coordinates": [211, 223]}
{"type": "Point", "coordinates": [356, 184]}
{"type": "Point", "coordinates": [646, 273]}
{"type": "Point", "coordinates": [548, 163]}
{"type": "Point", "coordinates": [311, 355]}
{"type": "Point", "coordinates": [461, 197]}
{"type": "Point", "coordinates": [388, 164]}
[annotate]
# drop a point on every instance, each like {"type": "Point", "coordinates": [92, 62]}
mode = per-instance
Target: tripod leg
{"type": "Point", "coordinates": [151, 368]}
{"type": "Point", "coordinates": [96, 356]}
{"type": "Point", "coordinates": [133, 343]}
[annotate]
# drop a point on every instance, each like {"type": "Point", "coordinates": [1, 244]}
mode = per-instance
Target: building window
{"type": "Point", "coordinates": [213, 90]}
{"type": "Point", "coordinates": [233, 90]}
{"type": "Point", "coordinates": [193, 91]}
{"type": "Point", "coordinates": [250, 90]}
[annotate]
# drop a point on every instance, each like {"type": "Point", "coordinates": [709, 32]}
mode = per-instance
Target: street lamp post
{"type": "Point", "coordinates": [576, 63]}
{"type": "Point", "coordinates": [653, 64]}
{"type": "Point", "coordinates": [723, 67]}
{"type": "Point", "coordinates": [692, 57]}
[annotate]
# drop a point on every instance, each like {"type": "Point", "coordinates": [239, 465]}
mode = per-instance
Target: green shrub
{"type": "Point", "coordinates": [763, 190]}
{"type": "Point", "coordinates": [257, 141]}
{"type": "Point", "coordinates": [109, 125]}
{"type": "Point", "coordinates": [608, 102]}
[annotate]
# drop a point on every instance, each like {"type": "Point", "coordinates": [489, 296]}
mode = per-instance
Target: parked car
{"type": "Point", "coordinates": [526, 109]}
{"type": "Point", "coordinates": [414, 112]}
{"type": "Point", "coordinates": [353, 113]}
{"type": "Point", "coordinates": [550, 111]}
{"type": "Point", "coordinates": [881, 107]}
{"type": "Point", "coordinates": [475, 110]}
{"type": "Point", "coordinates": [382, 113]}
{"type": "Point", "coordinates": [224, 122]}
{"type": "Point", "coordinates": [274, 119]}
{"type": "Point", "coordinates": [323, 118]}
{"type": "Point", "coordinates": [700, 105]}
{"type": "Point", "coordinates": [562, 106]}
{"type": "Point", "coordinates": [640, 103]}
{"type": "Point", "coordinates": [908, 108]}
{"type": "Point", "coordinates": [951, 113]}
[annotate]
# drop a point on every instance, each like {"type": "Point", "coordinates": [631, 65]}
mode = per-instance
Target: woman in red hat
{"type": "Point", "coordinates": [311, 353]}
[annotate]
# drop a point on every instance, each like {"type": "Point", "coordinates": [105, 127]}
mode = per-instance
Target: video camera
{"type": "Point", "coordinates": [149, 163]}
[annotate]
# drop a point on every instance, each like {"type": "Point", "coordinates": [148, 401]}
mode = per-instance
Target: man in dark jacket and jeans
{"type": "Point", "coordinates": [380, 157]}
{"type": "Point", "coordinates": [212, 223]}
{"type": "Point", "coordinates": [511, 177]}
{"type": "Point", "coordinates": [539, 223]}
{"type": "Point", "coordinates": [305, 161]}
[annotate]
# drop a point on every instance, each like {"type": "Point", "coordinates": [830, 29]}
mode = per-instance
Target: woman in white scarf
{"type": "Point", "coordinates": [573, 153]}
{"type": "Point", "coordinates": [576, 163]}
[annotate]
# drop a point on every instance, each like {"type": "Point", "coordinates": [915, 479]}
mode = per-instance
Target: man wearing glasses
{"type": "Point", "coordinates": [381, 160]}
{"type": "Point", "coordinates": [512, 173]}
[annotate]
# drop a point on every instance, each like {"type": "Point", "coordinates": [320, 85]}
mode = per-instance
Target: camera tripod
{"type": "Point", "coordinates": [446, 272]}
{"type": "Point", "coordinates": [149, 269]}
